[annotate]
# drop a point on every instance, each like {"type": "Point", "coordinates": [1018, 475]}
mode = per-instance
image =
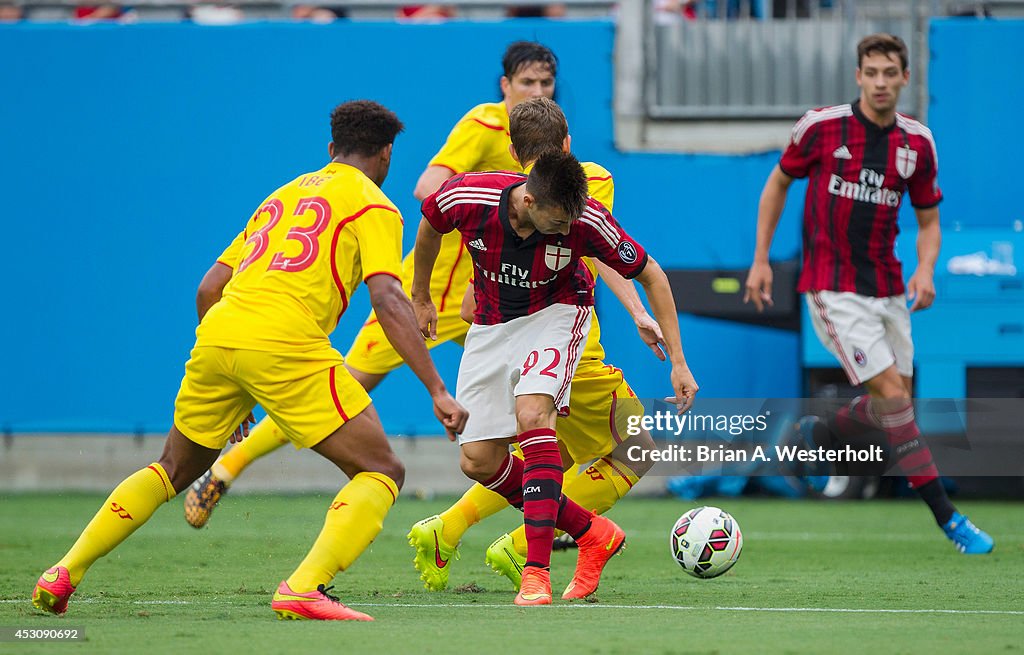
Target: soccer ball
{"type": "Point", "coordinates": [706, 542]}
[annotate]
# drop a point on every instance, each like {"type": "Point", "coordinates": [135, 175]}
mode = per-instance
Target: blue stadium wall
{"type": "Point", "coordinates": [131, 156]}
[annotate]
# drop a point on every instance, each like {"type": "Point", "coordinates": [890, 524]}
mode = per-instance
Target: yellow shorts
{"type": "Point", "coordinates": [308, 395]}
{"type": "Point", "coordinates": [599, 408]}
{"type": "Point", "coordinates": [371, 352]}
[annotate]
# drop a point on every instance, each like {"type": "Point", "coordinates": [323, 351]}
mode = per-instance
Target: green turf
{"type": "Point", "coordinates": [172, 589]}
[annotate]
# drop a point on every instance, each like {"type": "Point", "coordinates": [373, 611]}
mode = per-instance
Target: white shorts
{"type": "Point", "coordinates": [866, 334]}
{"type": "Point", "coordinates": [535, 354]}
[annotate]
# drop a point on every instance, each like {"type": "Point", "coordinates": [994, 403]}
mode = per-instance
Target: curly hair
{"type": "Point", "coordinates": [363, 127]}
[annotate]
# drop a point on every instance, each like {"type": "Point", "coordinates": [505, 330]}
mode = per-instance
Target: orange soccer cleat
{"type": "Point", "coordinates": [603, 540]}
{"type": "Point", "coordinates": [314, 605]}
{"type": "Point", "coordinates": [535, 588]}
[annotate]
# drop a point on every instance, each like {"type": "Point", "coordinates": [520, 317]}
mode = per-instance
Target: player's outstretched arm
{"type": "Point", "coordinates": [428, 244]}
{"type": "Point", "coordinates": [431, 180]}
{"type": "Point", "coordinates": [659, 293]}
{"type": "Point", "coordinates": [212, 287]}
{"type": "Point", "coordinates": [625, 291]}
{"type": "Point", "coordinates": [394, 311]}
{"type": "Point", "coordinates": [769, 210]}
{"type": "Point", "coordinates": [921, 286]}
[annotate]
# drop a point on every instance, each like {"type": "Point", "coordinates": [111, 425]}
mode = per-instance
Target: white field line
{"type": "Point", "coordinates": [596, 606]}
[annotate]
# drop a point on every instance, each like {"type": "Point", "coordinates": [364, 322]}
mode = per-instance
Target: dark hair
{"type": "Point", "coordinates": [363, 127]}
{"type": "Point", "coordinates": [884, 44]}
{"type": "Point", "coordinates": [523, 53]}
{"type": "Point", "coordinates": [558, 179]}
{"type": "Point", "coordinates": [536, 126]}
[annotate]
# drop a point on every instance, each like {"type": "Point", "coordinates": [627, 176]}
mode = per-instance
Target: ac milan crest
{"type": "Point", "coordinates": [906, 162]}
{"type": "Point", "coordinates": [860, 357]}
{"type": "Point", "coordinates": [556, 257]}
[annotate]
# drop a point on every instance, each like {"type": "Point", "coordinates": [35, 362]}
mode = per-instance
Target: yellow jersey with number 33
{"type": "Point", "coordinates": [299, 260]}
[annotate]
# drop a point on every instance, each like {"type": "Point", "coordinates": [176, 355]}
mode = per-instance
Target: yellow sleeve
{"type": "Point", "coordinates": [601, 187]}
{"type": "Point", "coordinates": [467, 143]}
{"type": "Point", "coordinates": [600, 184]}
{"type": "Point", "coordinates": [379, 233]}
{"type": "Point", "coordinates": [233, 253]}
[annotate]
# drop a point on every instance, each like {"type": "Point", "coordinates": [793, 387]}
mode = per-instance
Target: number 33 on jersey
{"type": "Point", "coordinates": [299, 260]}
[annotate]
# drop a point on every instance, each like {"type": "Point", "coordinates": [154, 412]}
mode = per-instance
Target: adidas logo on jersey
{"type": "Point", "coordinates": [842, 152]}
{"type": "Point", "coordinates": [478, 244]}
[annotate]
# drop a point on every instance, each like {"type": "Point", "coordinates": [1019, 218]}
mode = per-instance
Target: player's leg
{"type": "Point", "coordinates": [480, 460]}
{"type": "Point", "coordinates": [372, 358]}
{"type": "Point", "coordinates": [895, 414]}
{"type": "Point", "coordinates": [871, 339]}
{"type": "Point", "coordinates": [204, 495]}
{"type": "Point", "coordinates": [318, 404]}
{"type": "Point", "coordinates": [482, 387]}
{"type": "Point", "coordinates": [209, 407]}
{"type": "Point", "coordinates": [598, 537]}
{"type": "Point", "coordinates": [550, 344]}
{"type": "Point", "coordinates": [596, 433]}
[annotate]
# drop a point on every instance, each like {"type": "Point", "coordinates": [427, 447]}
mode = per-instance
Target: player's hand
{"type": "Point", "coordinates": [650, 333]}
{"type": "Point", "coordinates": [452, 415]}
{"type": "Point", "coordinates": [426, 317]}
{"type": "Point", "coordinates": [685, 387]}
{"type": "Point", "coordinates": [759, 286]}
{"type": "Point", "coordinates": [921, 290]}
{"type": "Point", "coordinates": [242, 431]}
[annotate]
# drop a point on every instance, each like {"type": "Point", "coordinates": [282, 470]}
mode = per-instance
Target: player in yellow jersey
{"type": "Point", "coordinates": [301, 257]}
{"type": "Point", "coordinates": [600, 406]}
{"type": "Point", "coordinates": [478, 142]}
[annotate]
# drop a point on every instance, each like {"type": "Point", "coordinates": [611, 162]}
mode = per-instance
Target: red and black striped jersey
{"type": "Point", "coordinates": [513, 276]}
{"type": "Point", "coordinates": [858, 173]}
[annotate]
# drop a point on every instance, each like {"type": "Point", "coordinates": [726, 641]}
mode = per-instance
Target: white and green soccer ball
{"type": "Point", "coordinates": [706, 542]}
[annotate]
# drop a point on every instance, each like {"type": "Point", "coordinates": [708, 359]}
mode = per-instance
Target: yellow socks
{"type": "Point", "coordinates": [353, 521]}
{"type": "Point", "coordinates": [263, 439]}
{"type": "Point", "coordinates": [475, 505]}
{"type": "Point", "coordinates": [597, 489]}
{"type": "Point", "coordinates": [129, 505]}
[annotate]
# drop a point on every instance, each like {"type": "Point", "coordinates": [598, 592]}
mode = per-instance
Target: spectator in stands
{"type": "Point", "coordinates": [670, 11]}
{"type": "Point", "coordinates": [548, 10]}
{"type": "Point", "coordinates": [98, 12]}
{"type": "Point", "coordinates": [425, 12]}
{"type": "Point", "coordinates": [216, 14]}
{"type": "Point", "coordinates": [318, 14]}
{"type": "Point", "coordinates": [10, 12]}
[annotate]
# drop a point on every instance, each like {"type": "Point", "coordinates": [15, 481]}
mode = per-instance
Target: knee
{"type": "Point", "coordinates": [893, 394]}
{"type": "Point", "coordinates": [395, 470]}
{"type": "Point", "coordinates": [534, 418]}
{"type": "Point", "coordinates": [181, 477]}
{"type": "Point", "coordinates": [390, 466]}
{"type": "Point", "coordinates": [478, 469]}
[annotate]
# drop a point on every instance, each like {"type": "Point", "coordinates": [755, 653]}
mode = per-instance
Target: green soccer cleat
{"type": "Point", "coordinates": [433, 555]}
{"type": "Point", "coordinates": [503, 558]}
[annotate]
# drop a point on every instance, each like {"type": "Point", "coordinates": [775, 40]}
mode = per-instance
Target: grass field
{"type": "Point", "coordinates": [813, 577]}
